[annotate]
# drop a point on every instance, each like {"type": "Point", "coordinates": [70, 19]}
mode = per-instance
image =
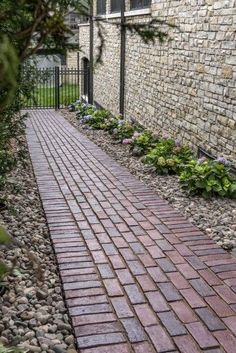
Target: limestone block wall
{"type": "Point", "coordinates": [185, 87]}
{"type": "Point", "coordinates": [72, 59]}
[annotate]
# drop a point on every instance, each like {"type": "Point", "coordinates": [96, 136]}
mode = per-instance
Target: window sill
{"type": "Point", "coordinates": [131, 13]}
{"type": "Point", "coordinates": [83, 24]}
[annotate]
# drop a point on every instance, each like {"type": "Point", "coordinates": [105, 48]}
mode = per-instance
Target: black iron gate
{"type": "Point", "coordinates": [57, 87]}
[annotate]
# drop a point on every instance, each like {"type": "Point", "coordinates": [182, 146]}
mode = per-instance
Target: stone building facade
{"type": "Point", "coordinates": [186, 86]}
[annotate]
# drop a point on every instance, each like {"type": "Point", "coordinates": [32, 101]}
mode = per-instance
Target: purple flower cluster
{"type": "Point", "coordinates": [177, 143]}
{"type": "Point", "coordinates": [222, 160]}
{"type": "Point", "coordinates": [121, 122]}
{"type": "Point", "coordinates": [85, 119]}
{"type": "Point", "coordinates": [127, 141]}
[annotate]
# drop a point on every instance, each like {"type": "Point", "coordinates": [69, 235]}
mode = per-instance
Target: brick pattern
{"type": "Point", "coordinates": [135, 275]}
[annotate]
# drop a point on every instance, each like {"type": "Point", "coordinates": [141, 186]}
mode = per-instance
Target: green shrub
{"type": "Point", "coordinates": [111, 124]}
{"type": "Point", "coordinates": [208, 178]}
{"type": "Point", "coordinates": [125, 130]}
{"type": "Point", "coordinates": [168, 156]}
{"type": "Point", "coordinates": [98, 118]}
{"type": "Point", "coordinates": [142, 143]}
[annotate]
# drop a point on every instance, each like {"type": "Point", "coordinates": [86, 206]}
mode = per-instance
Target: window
{"type": "Point", "coordinates": [101, 7]}
{"type": "Point", "coordinates": [116, 5]}
{"type": "Point", "coordinates": [139, 4]}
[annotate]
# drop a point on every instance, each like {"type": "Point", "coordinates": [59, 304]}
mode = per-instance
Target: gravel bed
{"type": "Point", "coordinates": [217, 217]}
{"type": "Point", "coordinates": [32, 310]}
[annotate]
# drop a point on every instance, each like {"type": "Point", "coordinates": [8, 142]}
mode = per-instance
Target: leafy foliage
{"type": "Point", "coordinates": [124, 130]}
{"type": "Point", "coordinates": [143, 142]}
{"type": "Point", "coordinates": [208, 178]}
{"type": "Point", "coordinates": [5, 239]}
{"type": "Point", "coordinates": [98, 119]}
{"type": "Point", "coordinates": [167, 157]}
{"type": "Point", "coordinates": [111, 124]}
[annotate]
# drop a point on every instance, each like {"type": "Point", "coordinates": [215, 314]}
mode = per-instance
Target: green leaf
{"type": "Point", "coordinates": [4, 269]}
{"type": "Point", "coordinates": [4, 236]}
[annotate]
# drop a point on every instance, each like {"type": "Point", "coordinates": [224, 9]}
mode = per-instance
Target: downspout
{"type": "Point", "coordinates": [122, 57]}
{"type": "Point", "coordinates": [91, 40]}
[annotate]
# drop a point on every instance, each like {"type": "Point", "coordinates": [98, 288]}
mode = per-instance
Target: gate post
{"type": "Point", "coordinates": [57, 87]}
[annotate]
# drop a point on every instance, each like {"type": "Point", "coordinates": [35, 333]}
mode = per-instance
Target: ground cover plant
{"type": "Point", "coordinates": [207, 178]}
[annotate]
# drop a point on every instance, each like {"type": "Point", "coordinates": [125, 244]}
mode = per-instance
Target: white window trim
{"type": "Point", "coordinates": [83, 24]}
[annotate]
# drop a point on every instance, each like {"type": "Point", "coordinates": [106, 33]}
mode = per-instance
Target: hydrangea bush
{"type": "Point", "coordinates": [208, 178]}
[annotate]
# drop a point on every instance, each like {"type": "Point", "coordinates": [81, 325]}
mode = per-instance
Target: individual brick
{"type": "Point", "coordinates": [88, 300]}
{"type": "Point", "coordinates": [121, 307]}
{"type": "Point", "coordinates": [203, 337]}
{"type": "Point", "coordinates": [146, 283]}
{"type": "Point", "coordinates": [178, 280]}
{"type": "Point", "coordinates": [186, 344]}
{"type": "Point", "coordinates": [210, 319]}
{"type": "Point", "coordinates": [230, 322]}
{"type": "Point", "coordinates": [100, 340]}
{"type": "Point", "coordinates": [183, 311]}
{"type": "Point", "coordinates": [187, 271]}
{"type": "Point", "coordinates": [166, 265]}
{"type": "Point", "coordinates": [90, 309]}
{"type": "Point", "coordinates": [109, 249]}
{"type": "Point", "coordinates": [117, 348]}
{"type": "Point", "coordinates": [227, 340]}
{"type": "Point", "coordinates": [125, 276]}
{"type": "Point", "coordinates": [226, 293]}
{"type": "Point", "coordinates": [202, 287]}
{"type": "Point", "coordinates": [145, 314]}
{"type": "Point", "coordinates": [210, 277]}
{"type": "Point", "coordinates": [93, 319]}
{"type": "Point", "coordinates": [193, 298]}
{"type": "Point", "coordinates": [157, 301]}
{"type": "Point", "coordinates": [134, 330]}
{"type": "Point", "coordinates": [136, 267]}
{"type": "Point", "coordinates": [169, 291]}
{"type": "Point", "coordinates": [171, 323]}
{"type": "Point", "coordinates": [113, 287]}
{"type": "Point", "coordinates": [134, 294]}
{"type": "Point", "coordinates": [160, 339]}
{"type": "Point", "coordinates": [219, 306]}
{"type": "Point", "coordinates": [117, 261]}
{"type": "Point", "coordinates": [157, 274]}
{"type": "Point", "coordinates": [105, 271]}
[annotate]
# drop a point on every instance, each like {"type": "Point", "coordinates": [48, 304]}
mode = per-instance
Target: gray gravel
{"type": "Point", "coordinates": [217, 216]}
{"type": "Point", "coordinates": [32, 311]}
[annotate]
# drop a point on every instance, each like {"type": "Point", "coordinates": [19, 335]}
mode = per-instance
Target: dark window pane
{"type": "Point", "coordinates": [101, 7]}
{"type": "Point", "coordinates": [116, 5]}
{"type": "Point", "coordinates": [139, 4]}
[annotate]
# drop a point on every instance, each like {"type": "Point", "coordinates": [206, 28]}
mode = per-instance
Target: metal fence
{"type": "Point", "coordinates": [57, 87]}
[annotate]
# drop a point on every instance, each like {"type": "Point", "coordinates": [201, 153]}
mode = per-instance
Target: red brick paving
{"type": "Point", "coordinates": [137, 276]}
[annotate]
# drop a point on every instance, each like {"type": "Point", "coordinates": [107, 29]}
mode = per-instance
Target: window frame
{"type": "Point", "coordinates": [101, 11]}
{"type": "Point", "coordinates": [116, 10]}
{"type": "Point", "coordinates": [140, 7]}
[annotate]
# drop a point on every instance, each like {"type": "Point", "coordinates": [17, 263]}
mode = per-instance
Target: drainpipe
{"type": "Point", "coordinates": [91, 39]}
{"type": "Point", "coordinates": [122, 57]}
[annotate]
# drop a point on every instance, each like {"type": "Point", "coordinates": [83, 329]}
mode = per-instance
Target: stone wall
{"type": "Point", "coordinates": [72, 59]}
{"type": "Point", "coordinates": [184, 87]}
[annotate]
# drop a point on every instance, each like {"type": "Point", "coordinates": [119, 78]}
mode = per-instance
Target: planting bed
{"type": "Point", "coordinates": [216, 216]}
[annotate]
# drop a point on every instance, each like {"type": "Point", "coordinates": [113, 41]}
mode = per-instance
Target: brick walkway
{"type": "Point", "coordinates": [137, 276]}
